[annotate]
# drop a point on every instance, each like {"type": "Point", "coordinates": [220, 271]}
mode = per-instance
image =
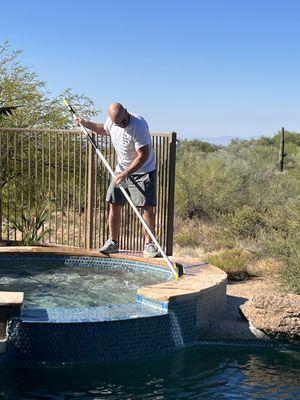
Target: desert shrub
{"type": "Point", "coordinates": [205, 186]}
{"type": "Point", "coordinates": [243, 223]}
{"type": "Point", "coordinates": [31, 223]}
{"type": "Point", "coordinates": [289, 138]}
{"type": "Point", "coordinates": [233, 262]}
{"type": "Point", "coordinates": [211, 185]}
{"type": "Point", "coordinates": [240, 190]}
{"type": "Point", "coordinates": [282, 241]}
{"type": "Point", "coordinates": [289, 275]}
{"type": "Point", "coordinates": [195, 146]}
{"type": "Point", "coordinates": [189, 233]}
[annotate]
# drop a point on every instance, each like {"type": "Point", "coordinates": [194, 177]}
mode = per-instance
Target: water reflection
{"type": "Point", "coordinates": [195, 373]}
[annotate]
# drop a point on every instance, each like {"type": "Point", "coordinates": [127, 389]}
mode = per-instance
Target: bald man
{"type": "Point", "coordinates": [136, 167]}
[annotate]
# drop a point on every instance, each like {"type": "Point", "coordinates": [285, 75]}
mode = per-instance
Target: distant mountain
{"type": "Point", "coordinates": [221, 140]}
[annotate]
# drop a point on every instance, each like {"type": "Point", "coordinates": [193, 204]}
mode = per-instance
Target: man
{"type": "Point", "coordinates": [136, 168]}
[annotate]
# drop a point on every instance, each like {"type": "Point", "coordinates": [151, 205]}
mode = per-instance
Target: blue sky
{"type": "Point", "coordinates": [201, 68]}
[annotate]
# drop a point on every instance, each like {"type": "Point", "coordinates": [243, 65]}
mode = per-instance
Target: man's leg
{"type": "Point", "coordinates": [114, 221]}
{"type": "Point", "coordinates": [149, 216]}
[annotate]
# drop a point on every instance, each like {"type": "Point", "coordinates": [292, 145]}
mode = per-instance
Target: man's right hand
{"type": "Point", "coordinates": [98, 128]}
{"type": "Point", "coordinates": [79, 121]}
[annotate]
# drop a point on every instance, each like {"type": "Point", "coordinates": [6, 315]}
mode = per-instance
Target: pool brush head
{"type": "Point", "coordinates": [179, 268]}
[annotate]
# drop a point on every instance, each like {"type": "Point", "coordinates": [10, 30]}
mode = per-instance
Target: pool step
{"type": "Point", "coordinates": [112, 312]}
{"type": "Point", "coordinates": [10, 304]}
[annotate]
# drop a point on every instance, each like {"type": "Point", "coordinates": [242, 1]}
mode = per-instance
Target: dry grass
{"type": "Point", "coordinates": [195, 239]}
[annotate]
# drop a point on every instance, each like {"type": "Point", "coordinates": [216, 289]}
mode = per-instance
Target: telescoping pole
{"type": "Point", "coordinates": [174, 268]}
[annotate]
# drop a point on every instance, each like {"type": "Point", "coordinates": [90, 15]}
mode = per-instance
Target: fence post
{"type": "Point", "coordinates": [281, 151]}
{"type": "Point", "coordinates": [0, 202]}
{"type": "Point", "coordinates": [0, 186]}
{"type": "Point", "coordinates": [171, 192]}
{"type": "Point", "coordinates": [90, 194]}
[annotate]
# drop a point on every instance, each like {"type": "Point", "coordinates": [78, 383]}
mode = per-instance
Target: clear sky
{"type": "Point", "coordinates": [202, 68]}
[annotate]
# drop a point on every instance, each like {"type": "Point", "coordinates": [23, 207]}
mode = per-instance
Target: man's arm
{"type": "Point", "coordinates": [142, 156]}
{"type": "Point", "coordinates": [98, 128]}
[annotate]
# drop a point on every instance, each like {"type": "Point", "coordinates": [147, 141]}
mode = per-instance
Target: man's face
{"type": "Point", "coordinates": [122, 119]}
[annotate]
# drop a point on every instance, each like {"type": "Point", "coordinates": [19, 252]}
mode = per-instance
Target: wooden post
{"type": "Point", "coordinates": [171, 193]}
{"type": "Point", "coordinates": [90, 194]}
{"type": "Point", "coordinates": [281, 151]}
{"type": "Point", "coordinates": [0, 186]}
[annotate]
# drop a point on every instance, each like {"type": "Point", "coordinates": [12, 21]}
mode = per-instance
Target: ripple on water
{"type": "Point", "coordinates": [193, 373]}
{"type": "Point", "coordinates": [65, 286]}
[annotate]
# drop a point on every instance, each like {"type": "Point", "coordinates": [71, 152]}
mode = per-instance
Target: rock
{"type": "Point", "coordinates": [276, 315]}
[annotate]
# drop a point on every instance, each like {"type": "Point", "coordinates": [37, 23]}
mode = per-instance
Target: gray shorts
{"type": "Point", "coordinates": [140, 187]}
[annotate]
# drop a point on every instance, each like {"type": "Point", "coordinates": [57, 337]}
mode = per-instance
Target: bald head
{"type": "Point", "coordinates": [118, 114]}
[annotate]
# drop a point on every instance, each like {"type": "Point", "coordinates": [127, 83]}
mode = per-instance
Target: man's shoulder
{"type": "Point", "coordinates": [108, 124]}
{"type": "Point", "coordinates": [138, 120]}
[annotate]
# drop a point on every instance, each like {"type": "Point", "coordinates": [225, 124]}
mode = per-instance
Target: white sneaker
{"type": "Point", "coordinates": [109, 247]}
{"type": "Point", "coordinates": [151, 250]}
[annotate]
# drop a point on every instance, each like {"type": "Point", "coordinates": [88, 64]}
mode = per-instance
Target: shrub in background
{"type": "Point", "coordinates": [30, 223]}
{"type": "Point", "coordinates": [240, 190]}
{"type": "Point", "coordinates": [282, 241]}
{"type": "Point", "coordinates": [244, 223]}
{"type": "Point", "coordinates": [234, 262]}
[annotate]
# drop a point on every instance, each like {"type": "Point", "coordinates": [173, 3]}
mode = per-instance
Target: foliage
{"type": "Point", "coordinates": [231, 178]}
{"type": "Point", "coordinates": [240, 190]}
{"type": "Point", "coordinates": [243, 223]}
{"type": "Point", "coordinates": [290, 137]}
{"type": "Point", "coordinates": [20, 86]}
{"type": "Point", "coordinates": [27, 159]}
{"type": "Point", "coordinates": [233, 262]}
{"type": "Point", "coordinates": [282, 241]}
{"type": "Point", "coordinates": [189, 233]}
{"type": "Point", "coordinates": [30, 223]}
{"type": "Point", "coordinates": [195, 146]}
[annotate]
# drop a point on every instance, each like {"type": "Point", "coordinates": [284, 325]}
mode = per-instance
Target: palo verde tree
{"type": "Point", "coordinates": [36, 108]}
{"type": "Point", "coordinates": [20, 86]}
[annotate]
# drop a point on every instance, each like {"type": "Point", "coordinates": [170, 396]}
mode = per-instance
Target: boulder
{"type": "Point", "coordinates": [275, 315]}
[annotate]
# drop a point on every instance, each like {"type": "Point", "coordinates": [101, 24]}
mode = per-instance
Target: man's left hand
{"type": "Point", "coordinates": [120, 177]}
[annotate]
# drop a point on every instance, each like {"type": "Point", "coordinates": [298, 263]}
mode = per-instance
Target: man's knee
{"type": "Point", "coordinates": [115, 208]}
{"type": "Point", "coordinates": [148, 209]}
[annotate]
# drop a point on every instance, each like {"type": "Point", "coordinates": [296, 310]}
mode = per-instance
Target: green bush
{"type": "Point", "coordinates": [282, 241]}
{"type": "Point", "coordinates": [30, 223]}
{"type": "Point", "coordinates": [289, 275]}
{"type": "Point", "coordinates": [239, 177]}
{"type": "Point", "coordinates": [188, 234]}
{"type": "Point", "coordinates": [233, 262]}
{"type": "Point", "coordinates": [205, 186]}
{"type": "Point", "coordinates": [240, 191]}
{"type": "Point", "coordinates": [243, 223]}
{"type": "Point", "coordinates": [196, 146]}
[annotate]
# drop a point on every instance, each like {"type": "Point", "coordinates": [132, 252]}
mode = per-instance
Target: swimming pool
{"type": "Point", "coordinates": [192, 373]}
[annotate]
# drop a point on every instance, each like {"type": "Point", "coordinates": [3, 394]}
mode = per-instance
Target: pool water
{"type": "Point", "coordinates": [70, 286]}
{"type": "Point", "coordinates": [193, 373]}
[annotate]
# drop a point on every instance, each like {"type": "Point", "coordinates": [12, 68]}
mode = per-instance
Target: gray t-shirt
{"type": "Point", "coordinates": [127, 140]}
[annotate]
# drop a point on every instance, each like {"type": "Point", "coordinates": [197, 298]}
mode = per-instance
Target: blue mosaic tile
{"type": "Point", "coordinates": [93, 314]}
{"type": "Point", "coordinates": [151, 302]}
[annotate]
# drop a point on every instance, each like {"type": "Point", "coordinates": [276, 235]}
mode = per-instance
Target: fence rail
{"type": "Point", "coordinates": [54, 176]}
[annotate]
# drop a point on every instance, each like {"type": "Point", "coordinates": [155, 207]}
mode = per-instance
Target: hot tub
{"type": "Point", "coordinates": [153, 320]}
